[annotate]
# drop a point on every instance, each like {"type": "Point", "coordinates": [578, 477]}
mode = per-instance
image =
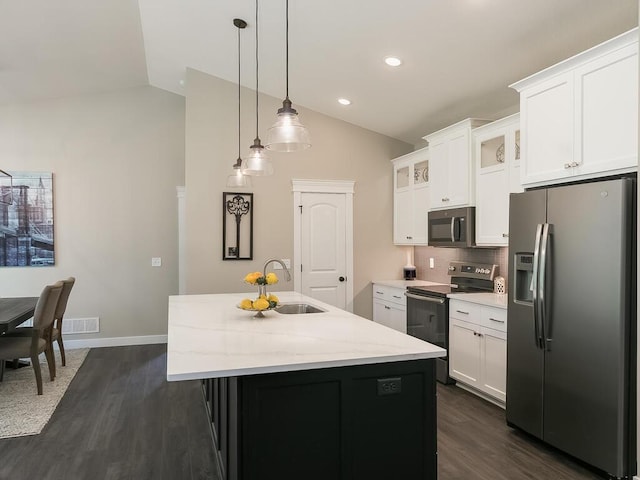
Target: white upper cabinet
{"type": "Point", "coordinates": [451, 166]}
{"type": "Point", "coordinates": [411, 198]}
{"type": "Point", "coordinates": [497, 160]}
{"type": "Point", "coordinates": [579, 118]}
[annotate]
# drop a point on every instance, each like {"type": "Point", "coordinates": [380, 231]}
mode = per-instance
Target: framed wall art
{"type": "Point", "coordinates": [237, 226]}
{"type": "Point", "coordinates": [26, 220]}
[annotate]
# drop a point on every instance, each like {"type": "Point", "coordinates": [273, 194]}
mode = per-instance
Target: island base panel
{"type": "Point", "coordinates": [351, 423]}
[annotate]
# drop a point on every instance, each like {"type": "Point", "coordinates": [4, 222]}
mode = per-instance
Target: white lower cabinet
{"type": "Point", "coordinates": [390, 307]}
{"type": "Point", "coordinates": [478, 347]}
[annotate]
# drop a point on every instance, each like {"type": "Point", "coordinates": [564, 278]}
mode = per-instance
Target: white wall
{"type": "Point", "coordinates": [117, 159]}
{"type": "Point", "coordinates": [340, 151]}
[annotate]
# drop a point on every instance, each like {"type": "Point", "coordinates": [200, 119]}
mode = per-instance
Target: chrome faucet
{"type": "Point", "coordinates": [281, 263]}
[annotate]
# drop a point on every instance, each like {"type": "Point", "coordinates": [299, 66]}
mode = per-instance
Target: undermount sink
{"type": "Point", "coordinates": [298, 308]}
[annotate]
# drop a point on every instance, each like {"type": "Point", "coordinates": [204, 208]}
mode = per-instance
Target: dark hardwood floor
{"type": "Point", "coordinates": [474, 442]}
{"type": "Point", "coordinates": [121, 419]}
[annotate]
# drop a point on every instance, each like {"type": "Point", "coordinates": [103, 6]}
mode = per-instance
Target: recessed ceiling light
{"type": "Point", "coordinates": [393, 61]}
{"type": "Point", "coordinates": [344, 101]}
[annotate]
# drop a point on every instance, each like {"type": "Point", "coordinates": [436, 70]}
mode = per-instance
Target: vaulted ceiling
{"type": "Point", "coordinates": [459, 55]}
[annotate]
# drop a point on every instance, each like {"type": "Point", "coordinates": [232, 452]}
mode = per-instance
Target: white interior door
{"type": "Point", "coordinates": [323, 241]}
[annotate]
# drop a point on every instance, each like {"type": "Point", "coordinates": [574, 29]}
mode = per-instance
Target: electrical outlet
{"type": "Point", "coordinates": [389, 386]}
{"type": "Point", "coordinates": [286, 261]}
{"type": "Point", "coordinates": [432, 262]}
{"type": "Point", "coordinates": [156, 262]}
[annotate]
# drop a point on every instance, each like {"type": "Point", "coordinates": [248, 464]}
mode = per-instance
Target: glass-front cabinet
{"type": "Point", "coordinates": [497, 157]}
{"type": "Point", "coordinates": [411, 198]}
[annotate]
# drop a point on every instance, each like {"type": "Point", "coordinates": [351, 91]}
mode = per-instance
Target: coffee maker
{"type": "Point", "coordinates": [409, 270]}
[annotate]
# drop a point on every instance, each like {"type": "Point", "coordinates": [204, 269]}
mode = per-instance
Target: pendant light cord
{"type": "Point", "coordinates": [287, 46]}
{"type": "Point", "coordinates": [257, 69]}
{"type": "Point", "coordinates": [238, 93]}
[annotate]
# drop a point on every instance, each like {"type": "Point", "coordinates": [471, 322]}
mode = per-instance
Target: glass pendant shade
{"type": "Point", "coordinates": [237, 178]}
{"type": "Point", "coordinates": [257, 163]}
{"type": "Point", "coordinates": [288, 134]}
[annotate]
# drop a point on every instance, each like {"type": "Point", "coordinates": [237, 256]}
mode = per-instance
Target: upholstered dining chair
{"type": "Point", "coordinates": [56, 334]}
{"type": "Point", "coordinates": [23, 346]}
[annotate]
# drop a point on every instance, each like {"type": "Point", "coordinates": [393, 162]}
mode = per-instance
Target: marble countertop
{"type": "Point", "coordinates": [208, 337]}
{"type": "Point", "coordinates": [406, 283]}
{"type": "Point", "coordinates": [488, 299]}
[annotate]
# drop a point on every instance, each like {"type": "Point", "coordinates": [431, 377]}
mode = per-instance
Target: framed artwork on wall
{"type": "Point", "coordinates": [237, 226]}
{"type": "Point", "coordinates": [26, 220]}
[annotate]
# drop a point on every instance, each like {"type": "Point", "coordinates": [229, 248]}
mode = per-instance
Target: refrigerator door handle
{"type": "Point", "coordinates": [534, 287]}
{"type": "Point", "coordinates": [542, 286]}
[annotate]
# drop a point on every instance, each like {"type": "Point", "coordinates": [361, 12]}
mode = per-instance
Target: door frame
{"type": "Point", "coordinates": [345, 187]}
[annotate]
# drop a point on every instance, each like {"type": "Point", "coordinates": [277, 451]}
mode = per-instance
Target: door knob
{"type": "Point", "coordinates": [342, 279]}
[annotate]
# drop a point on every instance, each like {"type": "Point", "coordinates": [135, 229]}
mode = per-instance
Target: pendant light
{"type": "Point", "coordinates": [288, 134]}
{"type": "Point", "coordinates": [258, 163]}
{"type": "Point", "coordinates": [238, 179]}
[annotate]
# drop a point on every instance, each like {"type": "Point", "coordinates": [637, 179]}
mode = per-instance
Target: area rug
{"type": "Point", "coordinates": [22, 411]}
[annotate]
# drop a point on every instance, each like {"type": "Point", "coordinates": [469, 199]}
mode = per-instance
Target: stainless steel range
{"type": "Point", "coordinates": [428, 306]}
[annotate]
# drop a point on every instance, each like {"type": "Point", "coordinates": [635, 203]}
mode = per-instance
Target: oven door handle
{"type": "Point", "coordinates": [423, 298]}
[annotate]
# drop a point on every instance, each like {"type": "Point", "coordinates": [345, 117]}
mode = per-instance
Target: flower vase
{"type": "Point", "coordinates": [262, 290]}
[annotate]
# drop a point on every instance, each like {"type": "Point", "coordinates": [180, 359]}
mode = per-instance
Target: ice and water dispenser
{"type": "Point", "coordinates": [523, 292]}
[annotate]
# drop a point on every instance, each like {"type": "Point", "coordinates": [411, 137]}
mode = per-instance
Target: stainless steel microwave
{"type": "Point", "coordinates": [455, 227]}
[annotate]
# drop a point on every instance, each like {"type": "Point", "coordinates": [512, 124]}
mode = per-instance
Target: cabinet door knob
{"type": "Point", "coordinates": [387, 308]}
{"type": "Point", "coordinates": [409, 238]}
{"type": "Point", "coordinates": [445, 199]}
{"type": "Point", "coordinates": [505, 235]}
{"type": "Point", "coordinates": [342, 279]}
{"type": "Point", "coordinates": [567, 165]}
{"type": "Point", "coordinates": [575, 164]}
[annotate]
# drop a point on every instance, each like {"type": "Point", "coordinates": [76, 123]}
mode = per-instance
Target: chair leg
{"type": "Point", "coordinates": [51, 361]}
{"type": "Point", "coordinates": [36, 369]}
{"type": "Point", "coordinates": [62, 355]}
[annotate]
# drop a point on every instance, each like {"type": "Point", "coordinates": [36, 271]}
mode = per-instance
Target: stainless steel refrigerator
{"type": "Point", "coordinates": [571, 324]}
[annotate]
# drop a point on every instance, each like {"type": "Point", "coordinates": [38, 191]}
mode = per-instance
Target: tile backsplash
{"type": "Point", "coordinates": [442, 257]}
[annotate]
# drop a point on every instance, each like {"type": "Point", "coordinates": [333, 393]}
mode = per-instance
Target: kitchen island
{"type": "Point", "coordinates": [326, 395]}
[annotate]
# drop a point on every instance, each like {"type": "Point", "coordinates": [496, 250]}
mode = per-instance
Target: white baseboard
{"type": "Point", "coordinates": [113, 342]}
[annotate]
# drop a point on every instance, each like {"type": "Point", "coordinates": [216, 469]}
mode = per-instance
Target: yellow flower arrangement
{"type": "Point", "coordinates": [263, 302]}
{"type": "Point", "coordinates": [257, 278]}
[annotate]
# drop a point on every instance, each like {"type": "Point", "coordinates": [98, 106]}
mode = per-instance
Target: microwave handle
{"type": "Point", "coordinates": [453, 229]}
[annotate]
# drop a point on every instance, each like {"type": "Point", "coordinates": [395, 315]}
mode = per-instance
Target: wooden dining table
{"type": "Point", "coordinates": [14, 311]}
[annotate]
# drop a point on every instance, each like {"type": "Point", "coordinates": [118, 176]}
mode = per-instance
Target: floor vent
{"type": "Point", "coordinates": [81, 325]}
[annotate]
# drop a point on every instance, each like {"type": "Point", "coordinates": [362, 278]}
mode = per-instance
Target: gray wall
{"type": "Point", "coordinates": [117, 159]}
{"type": "Point", "coordinates": [340, 151]}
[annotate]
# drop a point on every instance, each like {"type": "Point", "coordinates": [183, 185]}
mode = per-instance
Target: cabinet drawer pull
{"type": "Point", "coordinates": [464, 313]}
{"type": "Point", "coordinates": [409, 238]}
{"type": "Point", "coordinates": [387, 308]}
{"type": "Point", "coordinates": [445, 199]}
{"type": "Point", "coordinates": [397, 296]}
{"type": "Point", "coordinates": [379, 293]}
{"type": "Point", "coordinates": [496, 320]}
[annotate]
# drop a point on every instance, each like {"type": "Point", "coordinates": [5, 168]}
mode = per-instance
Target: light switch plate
{"type": "Point", "coordinates": [156, 262]}
{"type": "Point", "coordinates": [432, 262]}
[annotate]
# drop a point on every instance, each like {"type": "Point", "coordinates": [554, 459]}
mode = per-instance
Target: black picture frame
{"type": "Point", "coordinates": [237, 226]}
